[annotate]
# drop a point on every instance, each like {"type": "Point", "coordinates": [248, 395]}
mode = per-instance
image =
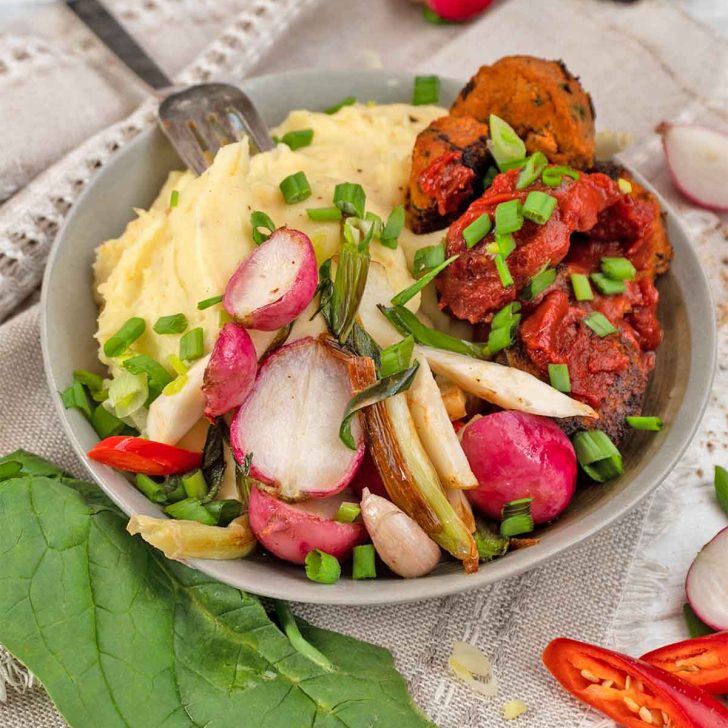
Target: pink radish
{"type": "Point", "coordinates": [457, 10]}
{"type": "Point", "coordinates": [707, 583]}
{"type": "Point", "coordinates": [274, 283]}
{"type": "Point", "coordinates": [698, 160]}
{"type": "Point", "coordinates": [290, 422]}
{"type": "Point", "coordinates": [518, 455]}
{"type": "Point", "coordinates": [230, 372]}
{"type": "Point", "coordinates": [291, 530]}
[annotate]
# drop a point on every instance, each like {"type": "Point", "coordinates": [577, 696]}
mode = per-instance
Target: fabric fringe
{"type": "Point", "coordinates": [13, 675]}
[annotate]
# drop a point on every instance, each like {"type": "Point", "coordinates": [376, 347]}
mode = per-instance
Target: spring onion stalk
{"type": "Point", "coordinates": [295, 188]}
{"type": "Point", "coordinates": [194, 484]}
{"type": "Point", "coordinates": [403, 296]}
{"type": "Point", "coordinates": [618, 269]}
{"type": "Point", "coordinates": [157, 376]}
{"type": "Point", "coordinates": [365, 562]}
{"type": "Point", "coordinates": [347, 290]}
{"type": "Point", "coordinates": [124, 337]}
{"type": "Point", "coordinates": [501, 266]}
{"type": "Point", "coordinates": [347, 513]}
{"type": "Point", "coordinates": [297, 640]}
{"type": "Point", "coordinates": [507, 315]}
{"type": "Point", "coordinates": [224, 510]}
{"type": "Point", "coordinates": [505, 243]}
{"type": "Point", "coordinates": [539, 207]}
{"type": "Point", "coordinates": [426, 90]}
{"type": "Point", "coordinates": [259, 220]}
{"type": "Point", "coordinates": [508, 217]}
{"type": "Point", "coordinates": [393, 227]}
{"type": "Point", "coordinates": [322, 567]}
{"type": "Point", "coordinates": [174, 198]}
{"type": "Point", "coordinates": [477, 230]}
{"type": "Point", "coordinates": [553, 176]}
{"type": "Point", "coordinates": [191, 345]}
{"type": "Point", "coordinates": [504, 144]}
{"type": "Point", "coordinates": [582, 287]}
{"type": "Point", "coordinates": [559, 377]}
{"type": "Point", "coordinates": [324, 214]}
{"type": "Point", "coordinates": [503, 327]}
{"type": "Point", "coordinates": [652, 424]}
{"type": "Point", "coordinates": [376, 221]}
{"type": "Point", "coordinates": [396, 358]}
{"type": "Point", "coordinates": [350, 198]}
{"type": "Point", "coordinates": [599, 324]}
{"type": "Point", "coordinates": [151, 489]}
{"type": "Point", "coordinates": [297, 139]}
{"type": "Point", "coordinates": [428, 258]}
{"type": "Point", "coordinates": [516, 518]}
{"type": "Point", "coordinates": [514, 164]}
{"type": "Point", "coordinates": [538, 284]}
{"type": "Point", "coordinates": [190, 509]}
{"type": "Point", "coordinates": [75, 397]}
{"type": "Point", "coordinates": [720, 482]}
{"type": "Point", "coordinates": [532, 170]}
{"type": "Point", "coordinates": [624, 185]}
{"type": "Point", "coordinates": [490, 175]}
{"type": "Point", "coordinates": [173, 488]}
{"type": "Point", "coordinates": [212, 301]}
{"type": "Point", "coordinates": [597, 455]}
{"type": "Point", "coordinates": [348, 101]}
{"type": "Point", "coordinates": [93, 382]}
{"type": "Point", "coordinates": [106, 424]}
{"type": "Point", "coordinates": [489, 543]}
{"type": "Point", "coordinates": [176, 323]}
{"type": "Point", "coordinates": [607, 286]}
{"type": "Point", "coordinates": [127, 394]}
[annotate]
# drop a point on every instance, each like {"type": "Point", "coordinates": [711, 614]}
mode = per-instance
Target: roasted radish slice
{"type": "Point", "coordinates": [290, 422]}
{"type": "Point", "coordinates": [291, 530]}
{"type": "Point", "coordinates": [230, 372]}
{"type": "Point", "coordinates": [274, 283]}
{"type": "Point", "coordinates": [698, 162]}
{"type": "Point", "coordinates": [707, 583]}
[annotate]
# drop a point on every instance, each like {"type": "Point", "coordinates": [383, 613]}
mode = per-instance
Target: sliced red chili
{"type": "Point", "coordinates": [629, 691]}
{"type": "Point", "coordinates": [137, 455]}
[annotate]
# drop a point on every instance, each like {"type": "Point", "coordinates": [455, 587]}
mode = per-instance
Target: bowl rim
{"type": "Point", "coordinates": [682, 428]}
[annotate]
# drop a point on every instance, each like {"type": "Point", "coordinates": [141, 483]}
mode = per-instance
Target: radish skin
{"type": "Point", "coordinates": [706, 585]}
{"type": "Point", "coordinates": [458, 10]}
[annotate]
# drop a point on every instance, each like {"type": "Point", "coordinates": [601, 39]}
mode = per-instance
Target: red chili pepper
{"type": "Point", "coordinates": [137, 455]}
{"type": "Point", "coordinates": [629, 691]}
{"type": "Point", "coordinates": [702, 661]}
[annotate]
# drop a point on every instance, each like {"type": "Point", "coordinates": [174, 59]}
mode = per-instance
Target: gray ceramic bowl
{"type": "Point", "coordinates": [678, 391]}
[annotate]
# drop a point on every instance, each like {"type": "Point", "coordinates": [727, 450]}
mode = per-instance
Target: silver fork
{"type": "Point", "coordinates": [197, 120]}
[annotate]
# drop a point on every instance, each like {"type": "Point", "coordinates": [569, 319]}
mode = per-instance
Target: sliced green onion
{"type": "Point", "coordinates": [75, 397]}
{"type": "Point", "coordinates": [490, 175]}
{"type": "Point", "coordinates": [538, 284]}
{"type": "Point", "coordinates": [625, 186]}
{"type": "Point", "coordinates": [301, 645]}
{"type": "Point", "coordinates": [720, 481]}
{"type": "Point", "coordinates": [428, 258]}
{"type": "Point", "coordinates": [347, 290]}
{"type": "Point", "coordinates": [347, 513]}
{"type": "Point", "coordinates": [396, 358]}
{"type": "Point", "coordinates": [506, 316]}
{"type": "Point", "coordinates": [553, 176]}
{"type": "Point", "coordinates": [106, 423]}
{"type": "Point", "coordinates": [127, 393]}
{"type": "Point", "coordinates": [696, 627]}
{"type": "Point", "coordinates": [477, 230]}
{"type": "Point", "coordinates": [505, 145]}
{"type": "Point", "coordinates": [209, 302]}
{"type": "Point", "coordinates": [582, 287]}
{"type": "Point", "coordinates": [653, 424]}
{"type": "Point", "coordinates": [191, 345]}
{"type": "Point", "coordinates": [176, 323]}
{"type": "Point", "coordinates": [124, 337]}
{"type": "Point", "coordinates": [597, 455]}
{"type": "Point", "coordinates": [177, 364]}
{"type": "Point", "coordinates": [324, 214]}
{"type": "Point", "coordinates": [607, 286]}
{"type": "Point", "coordinates": [224, 510]}
{"type": "Point", "coordinates": [365, 563]}
{"type": "Point", "coordinates": [516, 518]}
{"type": "Point", "coordinates": [194, 484]}
{"type": "Point", "coordinates": [513, 164]}
{"type": "Point", "coordinates": [174, 198]}
{"type": "Point", "coordinates": [506, 243]}
{"type": "Point", "coordinates": [223, 317]}
{"type": "Point", "coordinates": [539, 207]}
{"type": "Point", "coordinates": [295, 188]}
{"type": "Point", "coordinates": [350, 198]}
{"type": "Point", "coordinates": [535, 164]}
{"type": "Point", "coordinates": [408, 293]}
{"type": "Point", "coordinates": [157, 376]}
{"type": "Point", "coordinates": [393, 227]}
{"type": "Point", "coordinates": [559, 377]}
{"type": "Point", "coordinates": [599, 324]}
{"type": "Point", "coordinates": [190, 509]}
{"type": "Point", "coordinates": [348, 101]}
{"type": "Point", "coordinates": [618, 269]}
{"type": "Point", "coordinates": [508, 217]}
{"type": "Point", "coordinates": [426, 90]}
{"type": "Point", "coordinates": [151, 489]}
{"type": "Point", "coordinates": [260, 220]}
{"type": "Point", "coordinates": [297, 139]}
{"type": "Point", "coordinates": [502, 267]}
{"type": "Point", "coordinates": [322, 567]}
{"type": "Point", "coordinates": [93, 382]}
{"type": "Point", "coordinates": [490, 544]}
{"type": "Point", "coordinates": [501, 338]}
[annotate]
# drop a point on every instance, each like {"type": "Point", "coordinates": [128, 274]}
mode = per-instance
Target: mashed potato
{"type": "Point", "coordinates": [169, 259]}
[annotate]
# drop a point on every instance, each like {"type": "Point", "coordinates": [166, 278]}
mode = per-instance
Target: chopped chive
{"type": "Point", "coordinates": [501, 338]}
{"type": "Point", "coordinates": [428, 258]}
{"type": "Point", "coordinates": [720, 482]}
{"type": "Point", "coordinates": [653, 424]}
{"type": "Point", "coordinates": [582, 287]}
{"type": "Point", "coordinates": [191, 345]}
{"type": "Point", "coordinates": [618, 269]}
{"type": "Point", "coordinates": [396, 358]}
{"type": "Point", "coordinates": [350, 198]}
{"type": "Point", "coordinates": [105, 423]}
{"type": "Point", "coordinates": [323, 214]}
{"type": "Point", "coordinates": [539, 207]}
{"type": "Point", "coordinates": [124, 337]}
{"type": "Point", "coordinates": [174, 198]}
{"type": "Point", "coordinates": [348, 101]}
{"type": "Point", "coordinates": [597, 455]}
{"type": "Point", "coordinates": [151, 489]}
{"type": "Point", "coordinates": [506, 243]}
{"type": "Point", "coordinates": [322, 567]}
{"type": "Point", "coordinates": [508, 217]}
{"type": "Point", "coordinates": [393, 227]}
{"type": "Point", "coordinates": [176, 323]}
{"type": "Point", "coordinates": [599, 324]}
{"type": "Point", "coordinates": [208, 302]}
{"type": "Point", "coordinates": [477, 230]}
{"type": "Point", "coordinates": [224, 510]}
{"type": "Point", "coordinates": [516, 518]}
{"type": "Point", "coordinates": [531, 171]}
{"type": "Point", "coordinates": [177, 364]}
{"type": "Point", "coordinates": [489, 543]}
{"type": "Point", "coordinates": [93, 382]}
{"type": "Point", "coordinates": [553, 176]}
{"type": "Point", "coordinates": [365, 565]}
{"type": "Point", "coordinates": [260, 220]}
{"type": "Point", "coordinates": [426, 90]}
{"type": "Point", "coordinates": [490, 175]}
{"type": "Point", "coordinates": [513, 164]}
{"type": "Point", "coordinates": [295, 188]}
{"type": "Point", "coordinates": [501, 266]}
{"type": "Point", "coordinates": [624, 185]}
{"type": "Point", "coordinates": [347, 513]}
{"type": "Point", "coordinates": [538, 284]}
{"type": "Point", "coordinates": [403, 296]}
{"type": "Point", "coordinates": [506, 316]}
{"type": "Point", "coordinates": [376, 221]}
{"type": "Point", "coordinates": [607, 286]}
{"type": "Point", "coordinates": [75, 397]}
{"type": "Point", "coordinates": [190, 509]}
{"type": "Point", "coordinates": [194, 484]}
{"type": "Point", "coordinates": [157, 376]}
{"type": "Point", "coordinates": [297, 139]}
{"type": "Point", "coordinates": [505, 145]}
{"type": "Point", "coordinates": [559, 377]}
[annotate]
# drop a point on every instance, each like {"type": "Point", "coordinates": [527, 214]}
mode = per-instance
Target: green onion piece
{"type": "Point", "coordinates": [75, 397]}
{"type": "Point", "coordinates": [720, 481]}
{"type": "Point", "coordinates": [295, 188]}
{"type": "Point", "coordinates": [599, 324]}
{"type": "Point", "coordinates": [350, 198]}
{"type": "Point", "coordinates": [194, 484]}
{"type": "Point", "coordinates": [297, 139]}
{"type": "Point", "coordinates": [539, 207]}
{"type": "Point", "coordinates": [428, 258]}
{"type": "Point", "coordinates": [224, 511]}
{"type": "Point", "coordinates": [490, 175]}
{"type": "Point", "coordinates": [396, 358]}
{"type": "Point", "coordinates": [538, 284]}
{"type": "Point", "coordinates": [10, 469]}
{"type": "Point", "coordinates": [505, 145]}
{"type": "Point", "coordinates": [506, 316]}
{"type": "Point", "coordinates": [190, 509]}
{"type": "Point", "coordinates": [365, 564]}
{"type": "Point", "coordinates": [490, 544]}
{"type": "Point", "coordinates": [324, 214]}
{"type": "Point", "coordinates": [177, 364]}
{"type": "Point", "coordinates": [260, 220]}
{"type": "Point", "coordinates": [175, 386]}
{"type": "Point", "coordinates": [128, 393]}
{"type": "Point", "coordinates": [93, 382]}
{"type": "Point", "coordinates": [157, 376]}
{"type": "Point", "coordinates": [176, 323]}
{"type": "Point", "coordinates": [508, 217]}
{"type": "Point", "coordinates": [432, 17]}
{"type": "Point", "coordinates": [501, 338]}
{"type": "Point", "coordinates": [502, 267]}
{"type": "Point", "coordinates": [151, 489]}
{"type": "Point", "coordinates": [377, 392]}
{"type": "Point", "coordinates": [223, 317]}
{"type": "Point", "coordinates": [106, 424]}
{"type": "Point", "coordinates": [191, 345]}
{"type": "Point", "coordinates": [559, 377]}
{"type": "Point", "coordinates": [506, 243]}
{"type": "Point", "coordinates": [393, 227]}
{"type": "Point", "coordinates": [477, 230]}
{"type": "Point", "coordinates": [173, 488]}
{"type": "Point", "coordinates": [124, 337]}
{"type": "Point", "coordinates": [426, 90]}
{"type": "Point", "coordinates": [373, 219]}
{"type": "Point", "coordinates": [174, 198]}
{"type": "Point", "coordinates": [322, 567]}
{"type": "Point", "coordinates": [513, 164]}
{"type": "Point", "coordinates": [403, 296]}
{"type": "Point", "coordinates": [618, 269]}
{"type": "Point", "coordinates": [696, 627]}
{"type": "Point", "coordinates": [553, 176]}
{"type": "Point", "coordinates": [582, 287]}
{"type": "Point", "coordinates": [597, 455]}
{"type": "Point", "coordinates": [347, 513]}
{"type": "Point", "coordinates": [347, 290]}
{"type": "Point", "coordinates": [516, 518]}
{"type": "Point", "coordinates": [653, 424]}
{"type": "Point", "coordinates": [348, 101]}
{"type": "Point", "coordinates": [209, 302]}
{"type": "Point", "coordinates": [301, 645]}
{"type": "Point", "coordinates": [607, 286]}
{"type": "Point", "coordinates": [492, 248]}
{"type": "Point", "coordinates": [625, 186]}
{"type": "Point", "coordinates": [535, 164]}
